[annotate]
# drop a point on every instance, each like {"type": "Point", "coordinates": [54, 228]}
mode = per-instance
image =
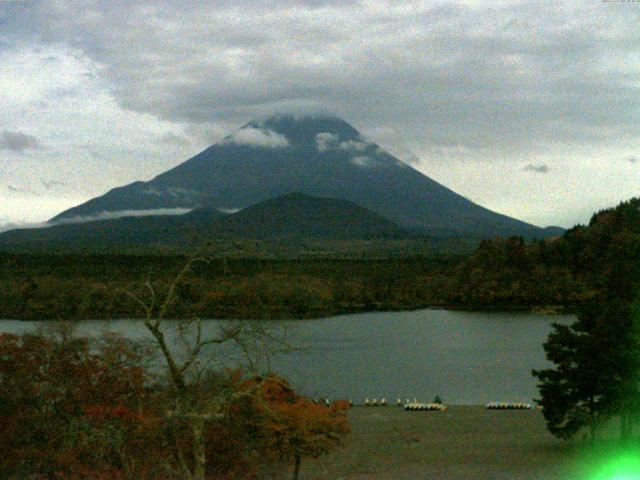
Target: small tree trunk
{"type": "Point", "coordinates": [199, 455]}
{"type": "Point", "coordinates": [296, 468]}
{"type": "Point", "coordinates": [178, 458]}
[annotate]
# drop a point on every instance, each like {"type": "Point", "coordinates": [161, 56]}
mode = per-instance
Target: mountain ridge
{"type": "Point", "coordinates": [291, 216]}
{"type": "Point", "coordinates": [320, 156]}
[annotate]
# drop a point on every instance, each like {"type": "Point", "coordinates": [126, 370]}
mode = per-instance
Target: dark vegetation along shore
{"type": "Point", "coordinates": [80, 287]}
{"type": "Point", "coordinates": [502, 274]}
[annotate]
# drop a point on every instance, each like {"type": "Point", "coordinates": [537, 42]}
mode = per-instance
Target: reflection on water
{"type": "Point", "coordinates": [464, 357]}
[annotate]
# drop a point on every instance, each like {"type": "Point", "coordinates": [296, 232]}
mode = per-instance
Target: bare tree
{"type": "Point", "coordinates": [188, 363]}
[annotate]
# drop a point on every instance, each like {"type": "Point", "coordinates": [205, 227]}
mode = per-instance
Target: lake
{"type": "Point", "coordinates": [464, 357]}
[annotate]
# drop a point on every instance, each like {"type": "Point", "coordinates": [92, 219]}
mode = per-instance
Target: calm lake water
{"type": "Point", "coordinates": [464, 357]}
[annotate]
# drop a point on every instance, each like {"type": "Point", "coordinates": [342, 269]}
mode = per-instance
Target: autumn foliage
{"type": "Point", "coordinates": [72, 409]}
{"type": "Point", "coordinates": [67, 409]}
{"type": "Point", "coordinates": [292, 426]}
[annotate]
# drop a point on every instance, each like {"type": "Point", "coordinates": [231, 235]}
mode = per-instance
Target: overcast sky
{"type": "Point", "coordinates": [531, 108]}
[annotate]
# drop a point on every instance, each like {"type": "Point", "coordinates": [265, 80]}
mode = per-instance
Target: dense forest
{"type": "Point", "coordinates": [34, 287]}
{"type": "Point", "coordinates": [558, 274]}
{"type": "Point", "coordinates": [566, 271]}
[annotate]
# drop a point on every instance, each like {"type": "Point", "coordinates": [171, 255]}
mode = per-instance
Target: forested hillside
{"type": "Point", "coordinates": [562, 272]}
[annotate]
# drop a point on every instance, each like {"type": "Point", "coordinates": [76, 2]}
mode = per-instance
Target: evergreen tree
{"type": "Point", "coordinates": [596, 359]}
{"type": "Point", "coordinates": [570, 397]}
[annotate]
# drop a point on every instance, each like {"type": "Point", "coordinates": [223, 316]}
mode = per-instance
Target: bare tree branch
{"type": "Point", "coordinates": [196, 407]}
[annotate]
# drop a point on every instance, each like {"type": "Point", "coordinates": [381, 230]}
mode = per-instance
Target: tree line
{"type": "Point", "coordinates": [71, 287]}
{"type": "Point", "coordinates": [558, 274]}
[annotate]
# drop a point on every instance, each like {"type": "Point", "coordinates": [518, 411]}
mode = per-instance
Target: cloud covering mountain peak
{"type": "Point", "coordinates": [257, 137]}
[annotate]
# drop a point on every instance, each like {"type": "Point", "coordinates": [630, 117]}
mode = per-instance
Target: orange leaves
{"type": "Point", "coordinates": [56, 392]}
{"type": "Point", "coordinates": [73, 410]}
{"type": "Point", "coordinates": [107, 413]}
{"type": "Point", "coordinates": [292, 424]}
{"type": "Point", "coordinates": [341, 405]}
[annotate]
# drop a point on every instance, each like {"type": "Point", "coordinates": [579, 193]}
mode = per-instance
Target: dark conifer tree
{"type": "Point", "coordinates": [596, 359]}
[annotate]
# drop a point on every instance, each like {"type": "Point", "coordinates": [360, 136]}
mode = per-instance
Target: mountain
{"type": "Point", "coordinates": [553, 231]}
{"type": "Point", "coordinates": [318, 155]}
{"type": "Point", "coordinates": [297, 215]}
{"type": "Point", "coordinates": [292, 216]}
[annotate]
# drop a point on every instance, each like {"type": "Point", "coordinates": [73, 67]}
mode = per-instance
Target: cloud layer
{"type": "Point", "coordinates": [257, 137]}
{"type": "Point", "coordinates": [550, 71]}
{"type": "Point", "coordinates": [17, 141]}
{"type": "Point", "coordinates": [363, 161]}
{"type": "Point", "coordinates": [121, 214]}
{"type": "Point", "coordinates": [537, 168]}
{"type": "Point", "coordinates": [5, 226]}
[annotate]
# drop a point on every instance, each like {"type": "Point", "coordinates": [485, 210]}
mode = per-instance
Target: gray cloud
{"type": "Point", "coordinates": [363, 161]}
{"type": "Point", "coordinates": [354, 145]}
{"type": "Point", "coordinates": [519, 74]}
{"type": "Point", "coordinates": [17, 141]}
{"type": "Point", "coordinates": [537, 168]}
{"type": "Point", "coordinates": [52, 184]}
{"type": "Point", "coordinates": [257, 137]}
{"type": "Point", "coordinates": [326, 141]}
{"type": "Point", "coordinates": [229, 210]}
{"type": "Point", "coordinates": [632, 159]}
{"type": "Point", "coordinates": [411, 159]}
{"type": "Point", "coordinates": [112, 215]}
{"type": "Point", "coordinates": [173, 139]}
{"type": "Point", "coordinates": [6, 226]}
{"type": "Point", "coordinates": [14, 189]}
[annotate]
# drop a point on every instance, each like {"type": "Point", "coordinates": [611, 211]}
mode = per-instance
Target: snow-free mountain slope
{"type": "Point", "coordinates": [317, 155]}
{"type": "Point", "coordinates": [291, 216]}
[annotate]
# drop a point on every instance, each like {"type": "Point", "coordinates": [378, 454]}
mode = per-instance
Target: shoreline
{"type": "Point", "coordinates": [549, 310]}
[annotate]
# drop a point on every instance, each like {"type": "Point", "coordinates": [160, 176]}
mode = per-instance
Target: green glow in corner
{"type": "Point", "coordinates": [623, 467]}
